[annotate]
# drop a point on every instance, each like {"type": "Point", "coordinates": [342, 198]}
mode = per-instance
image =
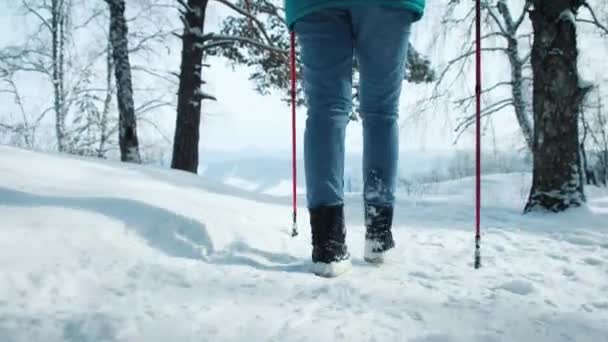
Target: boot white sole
{"type": "Point", "coordinates": [331, 270]}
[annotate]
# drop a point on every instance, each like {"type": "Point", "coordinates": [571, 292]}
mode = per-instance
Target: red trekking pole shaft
{"type": "Point", "coordinates": [294, 168]}
{"type": "Point", "coordinates": [478, 133]}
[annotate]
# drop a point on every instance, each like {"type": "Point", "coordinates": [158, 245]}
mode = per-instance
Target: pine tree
{"type": "Point", "coordinates": [195, 45]}
{"type": "Point", "coordinates": [190, 94]}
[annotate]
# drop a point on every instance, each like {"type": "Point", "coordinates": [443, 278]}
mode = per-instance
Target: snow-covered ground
{"type": "Point", "coordinates": [101, 251]}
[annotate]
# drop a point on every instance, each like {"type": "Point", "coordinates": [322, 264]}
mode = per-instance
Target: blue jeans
{"type": "Point", "coordinates": [330, 40]}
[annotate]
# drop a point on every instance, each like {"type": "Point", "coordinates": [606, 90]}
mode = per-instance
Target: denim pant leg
{"type": "Point", "coordinates": [381, 43]}
{"type": "Point", "coordinates": [327, 53]}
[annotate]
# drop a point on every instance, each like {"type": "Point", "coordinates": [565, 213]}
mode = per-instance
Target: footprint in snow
{"type": "Point", "coordinates": [419, 274]}
{"type": "Point", "coordinates": [559, 257]}
{"type": "Point", "coordinates": [593, 261]}
{"type": "Point", "coordinates": [579, 240]}
{"type": "Point", "coordinates": [600, 305]}
{"type": "Point", "coordinates": [602, 204]}
{"type": "Point", "coordinates": [568, 273]}
{"type": "Point", "coordinates": [416, 316]}
{"type": "Point", "coordinates": [519, 287]}
{"type": "Point", "coordinates": [499, 248]}
{"type": "Point", "coordinates": [433, 338]}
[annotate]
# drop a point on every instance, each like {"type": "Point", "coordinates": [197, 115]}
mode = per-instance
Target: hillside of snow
{"type": "Point", "coordinates": [100, 251]}
{"type": "Point", "coordinates": [263, 172]}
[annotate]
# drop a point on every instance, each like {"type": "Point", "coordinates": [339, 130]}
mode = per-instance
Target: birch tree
{"type": "Point", "coordinates": [77, 75]}
{"type": "Point", "coordinates": [594, 122]}
{"type": "Point", "coordinates": [505, 36]}
{"type": "Point", "coordinates": [60, 11]}
{"type": "Point", "coordinates": [49, 52]}
{"type": "Point", "coordinates": [21, 131]}
{"type": "Point", "coordinates": [127, 136]}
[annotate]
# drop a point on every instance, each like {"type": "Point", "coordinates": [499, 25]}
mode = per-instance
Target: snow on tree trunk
{"type": "Point", "coordinates": [190, 95]}
{"type": "Point", "coordinates": [558, 95]}
{"type": "Point", "coordinates": [58, 22]}
{"type": "Point", "coordinates": [127, 136]}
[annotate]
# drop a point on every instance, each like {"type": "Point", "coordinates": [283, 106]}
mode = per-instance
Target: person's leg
{"type": "Point", "coordinates": [326, 43]}
{"type": "Point", "coordinates": [381, 42]}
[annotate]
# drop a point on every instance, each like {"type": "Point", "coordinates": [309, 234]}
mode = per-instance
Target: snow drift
{"type": "Point", "coordinates": [100, 251]}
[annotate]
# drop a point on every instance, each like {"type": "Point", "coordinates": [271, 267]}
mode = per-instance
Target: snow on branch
{"type": "Point", "coordinates": [568, 16]}
{"type": "Point", "coordinates": [218, 40]}
{"type": "Point", "coordinates": [204, 95]}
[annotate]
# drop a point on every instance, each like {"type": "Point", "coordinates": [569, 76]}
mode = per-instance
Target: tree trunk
{"type": "Point", "coordinates": [127, 136]}
{"type": "Point", "coordinates": [103, 120]}
{"type": "Point", "coordinates": [590, 177]}
{"type": "Point", "coordinates": [601, 118]}
{"type": "Point", "coordinates": [58, 22]}
{"type": "Point", "coordinates": [558, 95]}
{"type": "Point", "coordinates": [517, 90]}
{"type": "Point", "coordinates": [604, 166]}
{"type": "Point", "coordinates": [517, 79]}
{"type": "Point", "coordinates": [585, 163]}
{"type": "Point", "coordinates": [190, 95]}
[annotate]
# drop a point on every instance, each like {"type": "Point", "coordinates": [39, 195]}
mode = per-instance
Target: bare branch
{"type": "Point", "coordinates": [250, 16]}
{"type": "Point", "coordinates": [595, 20]}
{"type": "Point", "coordinates": [37, 14]}
{"type": "Point", "coordinates": [156, 127]}
{"type": "Point", "coordinates": [464, 56]}
{"type": "Point", "coordinates": [151, 105]}
{"type": "Point", "coordinates": [469, 121]}
{"type": "Point", "coordinates": [97, 13]}
{"type": "Point", "coordinates": [522, 16]}
{"type": "Point", "coordinates": [461, 101]}
{"type": "Point", "coordinates": [218, 40]}
{"type": "Point", "coordinates": [497, 21]}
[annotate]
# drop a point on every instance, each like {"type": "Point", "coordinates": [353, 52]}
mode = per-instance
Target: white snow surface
{"type": "Point", "coordinates": [100, 251]}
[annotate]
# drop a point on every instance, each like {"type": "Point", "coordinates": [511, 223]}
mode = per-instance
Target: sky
{"type": "Point", "coordinates": [243, 120]}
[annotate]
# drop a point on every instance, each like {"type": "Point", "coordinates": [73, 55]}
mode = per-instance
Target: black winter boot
{"type": "Point", "coordinates": [378, 235]}
{"type": "Point", "coordinates": [329, 252]}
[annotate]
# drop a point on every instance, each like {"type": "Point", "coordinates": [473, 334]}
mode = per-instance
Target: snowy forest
{"type": "Point", "coordinates": [109, 78]}
{"type": "Point", "coordinates": [146, 178]}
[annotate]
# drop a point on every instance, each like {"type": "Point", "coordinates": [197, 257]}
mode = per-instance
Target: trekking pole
{"type": "Point", "coordinates": [294, 228]}
{"type": "Point", "coordinates": [478, 135]}
{"type": "Point", "coordinates": [294, 168]}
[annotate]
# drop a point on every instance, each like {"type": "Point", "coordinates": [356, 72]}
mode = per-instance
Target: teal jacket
{"type": "Point", "coordinates": [296, 9]}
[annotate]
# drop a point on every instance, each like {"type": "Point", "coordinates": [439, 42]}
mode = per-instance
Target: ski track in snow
{"type": "Point", "coordinates": [99, 251]}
